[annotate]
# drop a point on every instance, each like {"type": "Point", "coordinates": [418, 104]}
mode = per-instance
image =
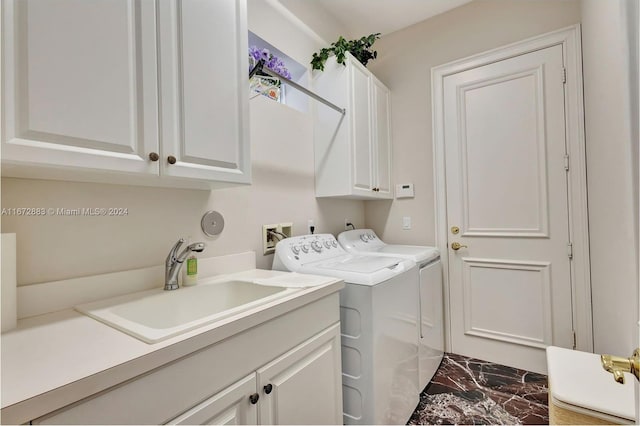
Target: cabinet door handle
{"type": "Point", "coordinates": [268, 388]}
{"type": "Point", "coordinates": [153, 156]}
{"type": "Point", "coordinates": [171, 159]}
{"type": "Point", "coordinates": [254, 398]}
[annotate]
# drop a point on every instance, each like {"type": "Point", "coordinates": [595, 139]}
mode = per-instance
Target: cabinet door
{"type": "Point", "coordinates": [80, 84]}
{"type": "Point", "coordinates": [361, 128]}
{"type": "Point", "coordinates": [305, 384]}
{"type": "Point", "coordinates": [382, 139]}
{"type": "Point", "coordinates": [228, 407]}
{"type": "Point", "coordinates": [204, 89]}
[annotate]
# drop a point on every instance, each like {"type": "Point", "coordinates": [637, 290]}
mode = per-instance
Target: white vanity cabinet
{"type": "Point", "coordinates": [284, 371]}
{"type": "Point", "coordinates": [125, 91]}
{"type": "Point", "coordinates": [296, 389]}
{"type": "Point", "coordinates": [352, 153]}
{"type": "Point", "coordinates": [228, 407]}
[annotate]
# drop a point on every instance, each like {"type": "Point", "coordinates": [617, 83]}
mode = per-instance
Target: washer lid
{"type": "Point", "coordinates": [359, 264]}
{"type": "Point", "coordinates": [416, 253]}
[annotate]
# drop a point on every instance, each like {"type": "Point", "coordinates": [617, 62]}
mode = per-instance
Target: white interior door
{"type": "Point", "coordinates": [510, 289]}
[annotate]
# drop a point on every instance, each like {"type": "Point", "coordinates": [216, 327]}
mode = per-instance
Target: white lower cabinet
{"type": "Point", "coordinates": [283, 389]}
{"type": "Point", "coordinates": [303, 385]}
{"type": "Point", "coordinates": [229, 407]}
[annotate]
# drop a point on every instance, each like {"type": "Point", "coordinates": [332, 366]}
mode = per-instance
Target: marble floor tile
{"type": "Point", "coordinates": [470, 391]}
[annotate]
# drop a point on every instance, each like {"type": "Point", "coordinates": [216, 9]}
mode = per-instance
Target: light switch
{"type": "Point", "coordinates": [406, 222]}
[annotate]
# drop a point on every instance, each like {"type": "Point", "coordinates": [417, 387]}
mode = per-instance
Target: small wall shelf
{"type": "Point", "coordinates": [297, 98]}
{"type": "Point", "coordinates": [260, 68]}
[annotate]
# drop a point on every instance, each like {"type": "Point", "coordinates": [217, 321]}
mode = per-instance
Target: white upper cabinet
{"type": "Point", "coordinates": [204, 73]}
{"type": "Point", "coordinates": [382, 138]}
{"type": "Point", "coordinates": [352, 153]}
{"type": "Point", "coordinates": [80, 86]}
{"type": "Point", "coordinates": [93, 87]}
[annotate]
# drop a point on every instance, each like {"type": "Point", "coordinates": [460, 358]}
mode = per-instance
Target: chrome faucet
{"type": "Point", "coordinates": [175, 261]}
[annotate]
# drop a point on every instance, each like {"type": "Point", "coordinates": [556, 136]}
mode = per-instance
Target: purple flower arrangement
{"type": "Point", "coordinates": [271, 61]}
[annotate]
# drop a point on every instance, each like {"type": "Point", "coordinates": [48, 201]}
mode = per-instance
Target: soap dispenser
{"type": "Point", "coordinates": [190, 270]}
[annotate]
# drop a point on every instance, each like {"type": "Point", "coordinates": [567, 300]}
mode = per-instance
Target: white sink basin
{"type": "Point", "coordinates": [156, 315]}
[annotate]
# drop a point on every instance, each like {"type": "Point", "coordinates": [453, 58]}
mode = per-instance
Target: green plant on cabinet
{"type": "Point", "coordinates": [359, 48]}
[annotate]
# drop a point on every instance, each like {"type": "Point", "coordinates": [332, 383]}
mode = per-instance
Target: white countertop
{"type": "Point", "coordinates": [578, 382]}
{"type": "Point", "coordinates": [52, 360]}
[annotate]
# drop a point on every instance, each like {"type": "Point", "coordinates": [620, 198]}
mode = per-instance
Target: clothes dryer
{"type": "Point", "coordinates": [379, 324]}
{"type": "Point", "coordinates": [429, 292]}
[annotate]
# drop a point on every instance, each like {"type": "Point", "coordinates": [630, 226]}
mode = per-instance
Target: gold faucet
{"type": "Point", "coordinates": [618, 365]}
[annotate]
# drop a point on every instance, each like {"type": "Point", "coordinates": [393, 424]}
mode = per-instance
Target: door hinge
{"type": "Point", "coordinates": [566, 162]}
{"type": "Point", "coordinates": [575, 343]}
{"type": "Point", "coordinates": [564, 75]}
{"type": "Point", "coordinates": [570, 250]}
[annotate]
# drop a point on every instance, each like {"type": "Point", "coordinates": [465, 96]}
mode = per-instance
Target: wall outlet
{"type": "Point", "coordinates": [311, 226]}
{"type": "Point", "coordinates": [269, 240]}
{"type": "Point", "coordinates": [406, 222]}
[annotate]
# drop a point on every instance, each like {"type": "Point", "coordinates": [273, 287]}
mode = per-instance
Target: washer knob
{"type": "Point", "coordinates": [334, 243]}
{"type": "Point", "coordinates": [316, 246]}
{"type": "Point", "coordinates": [364, 238]}
{"type": "Point", "coordinates": [305, 248]}
{"type": "Point", "coordinates": [327, 244]}
{"type": "Point", "coordinates": [371, 236]}
{"type": "Point", "coordinates": [295, 249]}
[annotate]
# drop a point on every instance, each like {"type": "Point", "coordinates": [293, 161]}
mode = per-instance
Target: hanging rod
{"type": "Point", "coordinates": [262, 69]}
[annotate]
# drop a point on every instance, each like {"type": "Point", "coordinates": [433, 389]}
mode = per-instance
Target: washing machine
{"type": "Point", "coordinates": [378, 322]}
{"type": "Point", "coordinates": [428, 288]}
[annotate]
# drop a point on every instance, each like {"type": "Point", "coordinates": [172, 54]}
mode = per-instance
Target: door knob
{"type": "Point", "coordinates": [618, 365]}
{"type": "Point", "coordinates": [153, 156]}
{"type": "Point", "coordinates": [457, 246]}
{"type": "Point", "coordinates": [253, 398]}
{"type": "Point", "coordinates": [171, 159]}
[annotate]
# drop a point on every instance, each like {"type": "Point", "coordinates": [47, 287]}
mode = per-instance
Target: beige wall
{"type": "Point", "coordinates": [404, 63]}
{"type": "Point", "coordinates": [611, 191]}
{"type": "Point", "coordinates": [315, 16]}
{"type": "Point", "coordinates": [53, 248]}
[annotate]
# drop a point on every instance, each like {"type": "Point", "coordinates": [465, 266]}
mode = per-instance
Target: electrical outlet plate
{"type": "Point", "coordinates": [269, 242]}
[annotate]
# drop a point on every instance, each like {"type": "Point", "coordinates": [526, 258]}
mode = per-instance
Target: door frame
{"type": "Point", "coordinates": [569, 38]}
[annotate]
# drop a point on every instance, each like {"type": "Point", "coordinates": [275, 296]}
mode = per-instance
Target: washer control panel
{"type": "Point", "coordinates": [309, 248]}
